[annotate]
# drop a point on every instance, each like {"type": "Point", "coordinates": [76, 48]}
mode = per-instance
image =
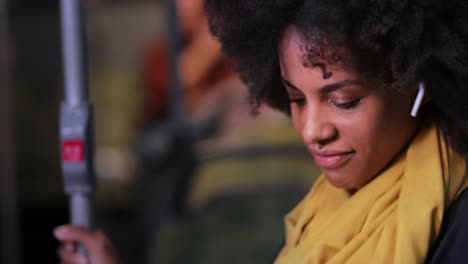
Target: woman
{"type": "Point", "coordinates": [377, 91]}
{"type": "Point", "coordinates": [350, 73]}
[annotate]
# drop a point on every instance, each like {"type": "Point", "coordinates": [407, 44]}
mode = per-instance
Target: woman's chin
{"type": "Point", "coordinates": [340, 181]}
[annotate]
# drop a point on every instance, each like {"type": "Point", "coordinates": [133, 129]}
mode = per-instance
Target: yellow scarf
{"type": "Point", "coordinates": [395, 218]}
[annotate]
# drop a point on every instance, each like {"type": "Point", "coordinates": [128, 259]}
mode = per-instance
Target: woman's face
{"type": "Point", "coordinates": [352, 131]}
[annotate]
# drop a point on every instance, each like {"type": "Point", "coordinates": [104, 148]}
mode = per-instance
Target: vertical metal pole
{"type": "Point", "coordinates": [74, 51]}
{"type": "Point", "coordinates": [76, 119]}
{"type": "Point", "coordinates": [175, 85]}
{"type": "Point", "coordinates": [9, 229]}
{"type": "Point", "coordinates": [164, 187]}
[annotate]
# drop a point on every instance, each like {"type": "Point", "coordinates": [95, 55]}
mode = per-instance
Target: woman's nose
{"type": "Point", "coordinates": [317, 128]}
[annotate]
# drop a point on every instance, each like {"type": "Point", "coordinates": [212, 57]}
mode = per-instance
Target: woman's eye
{"type": "Point", "coordinates": [298, 101]}
{"type": "Point", "coordinates": [347, 105]}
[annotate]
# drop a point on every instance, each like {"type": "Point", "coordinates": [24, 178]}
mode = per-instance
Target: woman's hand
{"type": "Point", "coordinates": [98, 247]}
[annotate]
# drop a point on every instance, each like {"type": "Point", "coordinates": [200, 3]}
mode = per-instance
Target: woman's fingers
{"type": "Point", "coordinates": [70, 236]}
{"type": "Point", "coordinates": [68, 233]}
{"type": "Point", "coordinates": [70, 257]}
{"type": "Point", "coordinates": [69, 246]}
{"type": "Point", "coordinates": [98, 248]}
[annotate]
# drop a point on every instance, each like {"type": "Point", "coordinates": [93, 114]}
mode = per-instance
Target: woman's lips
{"type": "Point", "coordinates": [331, 159]}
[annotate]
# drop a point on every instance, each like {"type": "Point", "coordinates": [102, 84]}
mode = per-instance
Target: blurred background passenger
{"type": "Point", "coordinates": [203, 67]}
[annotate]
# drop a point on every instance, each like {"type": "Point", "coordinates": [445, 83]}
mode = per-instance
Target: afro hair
{"type": "Point", "coordinates": [393, 45]}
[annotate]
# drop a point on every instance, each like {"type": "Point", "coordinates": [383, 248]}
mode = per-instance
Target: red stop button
{"type": "Point", "coordinates": [73, 150]}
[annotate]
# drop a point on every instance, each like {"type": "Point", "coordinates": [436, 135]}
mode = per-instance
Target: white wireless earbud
{"type": "Point", "coordinates": [419, 98]}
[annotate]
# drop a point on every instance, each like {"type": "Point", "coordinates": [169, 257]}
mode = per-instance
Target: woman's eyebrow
{"type": "Point", "coordinates": [335, 86]}
{"type": "Point", "coordinates": [289, 84]}
{"type": "Point", "coordinates": [326, 88]}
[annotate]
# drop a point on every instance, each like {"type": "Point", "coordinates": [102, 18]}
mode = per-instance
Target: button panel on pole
{"type": "Point", "coordinates": [73, 151]}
